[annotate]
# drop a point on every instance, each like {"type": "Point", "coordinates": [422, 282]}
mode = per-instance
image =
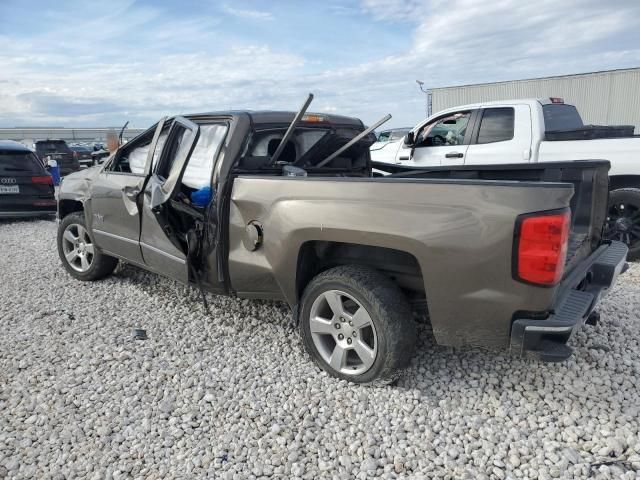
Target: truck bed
{"type": "Point", "coordinates": [621, 152]}
{"type": "Point", "coordinates": [588, 204]}
{"type": "Point", "coordinates": [455, 225]}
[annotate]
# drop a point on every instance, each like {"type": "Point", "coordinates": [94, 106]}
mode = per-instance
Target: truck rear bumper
{"type": "Point", "coordinates": [577, 298]}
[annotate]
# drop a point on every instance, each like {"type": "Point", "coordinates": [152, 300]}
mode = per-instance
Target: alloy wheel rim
{"type": "Point", "coordinates": [343, 333]}
{"type": "Point", "coordinates": [77, 247]}
{"type": "Point", "coordinates": [623, 223]}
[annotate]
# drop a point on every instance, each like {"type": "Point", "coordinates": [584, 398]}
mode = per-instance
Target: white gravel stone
{"type": "Point", "coordinates": [233, 395]}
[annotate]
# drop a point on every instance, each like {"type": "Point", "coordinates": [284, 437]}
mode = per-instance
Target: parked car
{"type": "Point", "coordinates": [530, 131]}
{"type": "Point", "coordinates": [82, 154]}
{"type": "Point", "coordinates": [257, 205]}
{"type": "Point", "coordinates": [26, 188]}
{"type": "Point", "coordinates": [59, 151]}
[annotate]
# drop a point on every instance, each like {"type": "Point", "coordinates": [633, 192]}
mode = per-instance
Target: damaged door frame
{"type": "Point", "coordinates": [160, 248]}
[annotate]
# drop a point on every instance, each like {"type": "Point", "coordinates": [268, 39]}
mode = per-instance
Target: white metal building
{"type": "Point", "coordinates": [603, 98]}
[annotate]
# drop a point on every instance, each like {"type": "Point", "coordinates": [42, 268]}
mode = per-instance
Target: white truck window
{"type": "Point", "coordinates": [449, 130]}
{"type": "Point", "coordinates": [496, 125]}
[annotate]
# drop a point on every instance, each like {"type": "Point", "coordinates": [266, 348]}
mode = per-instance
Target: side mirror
{"type": "Point", "coordinates": [409, 139]}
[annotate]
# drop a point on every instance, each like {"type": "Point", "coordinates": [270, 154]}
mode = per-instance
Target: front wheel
{"type": "Point", "coordinates": [79, 255]}
{"type": "Point", "coordinates": [623, 219]}
{"type": "Point", "coordinates": [357, 325]}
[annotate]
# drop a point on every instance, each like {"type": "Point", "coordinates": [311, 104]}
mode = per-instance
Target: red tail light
{"type": "Point", "coordinates": [45, 179]}
{"type": "Point", "coordinates": [542, 241]}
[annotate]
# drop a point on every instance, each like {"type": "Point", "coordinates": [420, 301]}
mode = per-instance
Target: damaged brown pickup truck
{"type": "Point", "coordinates": [285, 206]}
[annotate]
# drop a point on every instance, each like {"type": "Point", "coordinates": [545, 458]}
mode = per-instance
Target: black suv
{"type": "Point", "coordinates": [26, 188]}
{"type": "Point", "coordinates": [59, 151]}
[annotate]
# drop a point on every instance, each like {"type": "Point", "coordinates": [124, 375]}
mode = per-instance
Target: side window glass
{"type": "Point", "coordinates": [131, 159]}
{"type": "Point", "coordinates": [446, 131]}
{"type": "Point", "coordinates": [496, 125]}
{"type": "Point", "coordinates": [199, 169]}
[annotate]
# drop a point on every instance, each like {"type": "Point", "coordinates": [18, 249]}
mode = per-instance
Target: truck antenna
{"type": "Point", "coordinates": [121, 132]}
{"type": "Point", "coordinates": [291, 129]}
{"type": "Point", "coordinates": [354, 140]}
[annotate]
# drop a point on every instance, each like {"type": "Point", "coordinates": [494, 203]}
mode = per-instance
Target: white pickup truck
{"type": "Point", "coordinates": [527, 131]}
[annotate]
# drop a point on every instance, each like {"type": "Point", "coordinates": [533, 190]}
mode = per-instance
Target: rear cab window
{"type": "Point", "coordinates": [14, 162]}
{"type": "Point", "coordinates": [45, 147]}
{"type": "Point", "coordinates": [308, 146]}
{"type": "Point", "coordinates": [559, 116]}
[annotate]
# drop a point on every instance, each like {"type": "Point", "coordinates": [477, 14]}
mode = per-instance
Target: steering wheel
{"type": "Point", "coordinates": [437, 141]}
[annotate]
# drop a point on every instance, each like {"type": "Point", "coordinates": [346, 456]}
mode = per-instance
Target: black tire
{"type": "Point", "coordinates": [101, 264]}
{"type": "Point", "coordinates": [624, 223]}
{"type": "Point", "coordinates": [388, 309]}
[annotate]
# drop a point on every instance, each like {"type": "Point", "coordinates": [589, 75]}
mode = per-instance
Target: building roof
{"type": "Point", "coordinates": [534, 79]}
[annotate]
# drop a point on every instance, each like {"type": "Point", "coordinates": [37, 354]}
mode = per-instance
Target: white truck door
{"type": "Point", "coordinates": [502, 135]}
{"type": "Point", "coordinates": [440, 142]}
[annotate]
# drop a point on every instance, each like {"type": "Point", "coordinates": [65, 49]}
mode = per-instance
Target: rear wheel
{"type": "Point", "coordinates": [623, 219]}
{"type": "Point", "coordinates": [80, 257]}
{"type": "Point", "coordinates": [357, 325]}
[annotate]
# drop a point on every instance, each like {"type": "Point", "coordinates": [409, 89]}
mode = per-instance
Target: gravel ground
{"type": "Point", "coordinates": [235, 396]}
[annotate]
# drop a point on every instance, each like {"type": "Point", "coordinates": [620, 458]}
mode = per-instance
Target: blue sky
{"type": "Point", "coordinates": [85, 63]}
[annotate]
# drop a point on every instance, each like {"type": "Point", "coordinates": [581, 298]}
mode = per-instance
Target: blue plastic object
{"type": "Point", "coordinates": [202, 197]}
{"type": "Point", "coordinates": [55, 173]}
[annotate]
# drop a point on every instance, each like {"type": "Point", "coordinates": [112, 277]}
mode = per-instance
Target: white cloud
{"type": "Point", "coordinates": [58, 77]}
{"type": "Point", "coordinates": [247, 13]}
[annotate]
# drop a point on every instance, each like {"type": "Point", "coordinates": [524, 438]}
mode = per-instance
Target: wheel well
{"type": "Point", "coordinates": [65, 207]}
{"type": "Point", "coordinates": [401, 267]}
{"type": "Point", "coordinates": [624, 181]}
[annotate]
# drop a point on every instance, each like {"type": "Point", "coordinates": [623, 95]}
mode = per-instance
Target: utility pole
{"type": "Point", "coordinates": [427, 92]}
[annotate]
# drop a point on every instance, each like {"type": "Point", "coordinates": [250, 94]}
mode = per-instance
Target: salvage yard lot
{"type": "Point", "coordinates": [234, 395]}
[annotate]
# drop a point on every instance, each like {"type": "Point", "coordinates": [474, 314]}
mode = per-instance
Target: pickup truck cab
{"type": "Point", "coordinates": [284, 206]}
{"type": "Point", "coordinates": [528, 131]}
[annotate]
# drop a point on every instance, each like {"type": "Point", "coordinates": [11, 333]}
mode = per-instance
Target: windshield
{"type": "Point", "coordinates": [12, 162]}
{"type": "Point", "coordinates": [561, 117]}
